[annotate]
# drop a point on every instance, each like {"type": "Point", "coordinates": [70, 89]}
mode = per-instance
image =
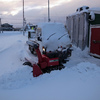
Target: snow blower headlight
{"type": "Point", "coordinates": [44, 50]}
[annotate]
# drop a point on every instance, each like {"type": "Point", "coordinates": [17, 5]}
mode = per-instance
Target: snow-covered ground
{"type": "Point", "coordinates": [80, 80]}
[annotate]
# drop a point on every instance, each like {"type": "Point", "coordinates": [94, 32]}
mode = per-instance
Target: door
{"type": "Point", "coordinates": [95, 41]}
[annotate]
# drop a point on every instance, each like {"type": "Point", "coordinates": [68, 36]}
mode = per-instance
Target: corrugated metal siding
{"type": "Point", "coordinates": [78, 29]}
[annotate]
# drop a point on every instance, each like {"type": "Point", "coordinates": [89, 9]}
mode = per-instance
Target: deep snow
{"type": "Point", "coordinates": [80, 80]}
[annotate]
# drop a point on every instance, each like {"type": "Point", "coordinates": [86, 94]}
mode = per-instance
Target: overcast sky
{"type": "Point", "coordinates": [37, 11]}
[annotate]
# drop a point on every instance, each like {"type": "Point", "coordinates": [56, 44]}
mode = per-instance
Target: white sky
{"type": "Point", "coordinates": [36, 10]}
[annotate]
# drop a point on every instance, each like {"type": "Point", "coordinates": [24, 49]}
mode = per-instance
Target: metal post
{"type": "Point", "coordinates": [48, 12]}
{"type": "Point", "coordinates": [23, 19]}
{"type": "Point", "coordinates": [0, 25]}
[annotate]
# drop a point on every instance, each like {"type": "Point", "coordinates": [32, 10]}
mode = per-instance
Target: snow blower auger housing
{"type": "Point", "coordinates": [49, 61]}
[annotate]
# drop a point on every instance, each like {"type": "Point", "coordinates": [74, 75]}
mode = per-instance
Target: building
{"type": "Point", "coordinates": [7, 27]}
{"type": "Point", "coordinates": [81, 26]}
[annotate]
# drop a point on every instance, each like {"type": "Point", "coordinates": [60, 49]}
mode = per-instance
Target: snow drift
{"type": "Point", "coordinates": [80, 80]}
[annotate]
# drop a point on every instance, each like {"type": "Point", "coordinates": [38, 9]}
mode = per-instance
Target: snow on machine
{"type": "Point", "coordinates": [52, 47]}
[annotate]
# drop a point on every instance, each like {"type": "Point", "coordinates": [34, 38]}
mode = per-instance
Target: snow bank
{"type": "Point", "coordinates": [54, 35]}
{"type": "Point", "coordinates": [80, 80]}
{"type": "Point", "coordinates": [11, 51]}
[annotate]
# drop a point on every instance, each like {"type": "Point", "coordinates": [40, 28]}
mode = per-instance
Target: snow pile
{"type": "Point", "coordinates": [54, 35]}
{"type": "Point", "coordinates": [83, 8]}
{"type": "Point", "coordinates": [80, 80]}
{"type": "Point", "coordinates": [86, 9]}
{"type": "Point", "coordinates": [92, 15]}
{"type": "Point", "coordinates": [11, 50]}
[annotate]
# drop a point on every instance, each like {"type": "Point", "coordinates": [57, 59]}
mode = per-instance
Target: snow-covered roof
{"type": "Point", "coordinates": [95, 10]}
{"type": "Point", "coordinates": [31, 30]}
{"type": "Point", "coordinates": [82, 8]}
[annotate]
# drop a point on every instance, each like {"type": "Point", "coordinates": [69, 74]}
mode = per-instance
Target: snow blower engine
{"type": "Point", "coordinates": [49, 60]}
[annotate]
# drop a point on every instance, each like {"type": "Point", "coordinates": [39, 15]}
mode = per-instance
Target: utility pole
{"type": "Point", "coordinates": [48, 12]}
{"type": "Point", "coordinates": [0, 25]}
{"type": "Point", "coordinates": [23, 19]}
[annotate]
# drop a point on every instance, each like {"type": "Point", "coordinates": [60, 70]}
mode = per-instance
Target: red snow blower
{"type": "Point", "coordinates": [49, 61]}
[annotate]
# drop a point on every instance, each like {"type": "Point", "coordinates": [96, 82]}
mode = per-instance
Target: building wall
{"type": "Point", "coordinates": [7, 27]}
{"type": "Point", "coordinates": [77, 26]}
